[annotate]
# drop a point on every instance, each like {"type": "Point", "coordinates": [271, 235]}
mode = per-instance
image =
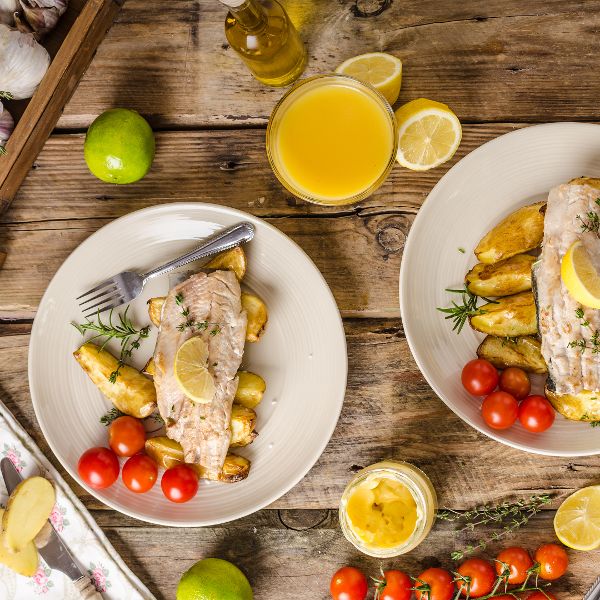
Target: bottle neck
{"type": "Point", "coordinates": [249, 15]}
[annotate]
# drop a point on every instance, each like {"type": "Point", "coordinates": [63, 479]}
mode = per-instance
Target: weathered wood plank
{"type": "Point", "coordinates": [491, 61]}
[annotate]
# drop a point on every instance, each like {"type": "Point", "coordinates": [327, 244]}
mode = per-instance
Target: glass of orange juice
{"type": "Point", "coordinates": [332, 140]}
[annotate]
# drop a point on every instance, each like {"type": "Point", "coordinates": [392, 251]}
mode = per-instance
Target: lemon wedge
{"type": "Point", "coordinates": [580, 276]}
{"type": "Point", "coordinates": [380, 70]}
{"type": "Point", "coordinates": [429, 134]}
{"type": "Point", "coordinates": [191, 373]}
{"type": "Point", "coordinates": [577, 521]}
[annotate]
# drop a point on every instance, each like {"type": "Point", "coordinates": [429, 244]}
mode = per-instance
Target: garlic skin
{"type": "Point", "coordinates": [7, 126]}
{"type": "Point", "coordinates": [7, 11]}
{"type": "Point", "coordinates": [23, 63]}
{"type": "Point", "coordinates": [39, 16]}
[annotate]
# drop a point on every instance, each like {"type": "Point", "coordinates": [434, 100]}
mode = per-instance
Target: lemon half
{"type": "Point", "coordinates": [191, 371]}
{"type": "Point", "coordinates": [577, 521]}
{"type": "Point", "coordinates": [580, 276]}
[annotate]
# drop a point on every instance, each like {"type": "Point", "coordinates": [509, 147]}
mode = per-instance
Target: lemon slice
{"type": "Point", "coordinates": [580, 276]}
{"type": "Point", "coordinates": [429, 134]}
{"type": "Point", "coordinates": [382, 71]}
{"type": "Point", "coordinates": [191, 373]}
{"type": "Point", "coordinates": [577, 521]}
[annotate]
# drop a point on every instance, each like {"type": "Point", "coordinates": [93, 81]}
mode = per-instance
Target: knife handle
{"type": "Point", "coordinates": [86, 589]}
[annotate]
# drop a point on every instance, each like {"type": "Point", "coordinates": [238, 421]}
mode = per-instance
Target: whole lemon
{"type": "Point", "coordinates": [214, 579]}
{"type": "Point", "coordinates": [119, 146]}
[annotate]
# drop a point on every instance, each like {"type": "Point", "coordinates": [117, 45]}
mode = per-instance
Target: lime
{"type": "Point", "coordinates": [119, 146]}
{"type": "Point", "coordinates": [214, 579]}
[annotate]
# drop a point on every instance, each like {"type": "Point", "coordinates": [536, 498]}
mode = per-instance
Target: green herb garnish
{"type": "Point", "coordinates": [110, 416]}
{"type": "Point", "coordinates": [459, 313]}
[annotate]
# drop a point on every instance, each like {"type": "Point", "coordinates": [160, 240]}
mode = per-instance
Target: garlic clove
{"type": "Point", "coordinates": [39, 16]}
{"type": "Point", "coordinates": [7, 126]}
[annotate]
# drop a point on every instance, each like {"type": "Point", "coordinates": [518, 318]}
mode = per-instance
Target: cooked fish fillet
{"type": "Point", "coordinates": [201, 429]}
{"type": "Point", "coordinates": [570, 370]}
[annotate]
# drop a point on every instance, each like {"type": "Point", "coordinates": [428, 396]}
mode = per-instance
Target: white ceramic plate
{"type": "Point", "coordinates": [513, 170]}
{"type": "Point", "coordinates": [302, 357]}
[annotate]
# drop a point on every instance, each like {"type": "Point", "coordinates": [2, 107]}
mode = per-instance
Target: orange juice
{"type": "Point", "coordinates": [332, 140]}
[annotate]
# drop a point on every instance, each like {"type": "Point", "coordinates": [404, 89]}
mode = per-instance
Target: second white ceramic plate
{"type": "Point", "coordinates": [302, 357]}
{"type": "Point", "coordinates": [513, 170]}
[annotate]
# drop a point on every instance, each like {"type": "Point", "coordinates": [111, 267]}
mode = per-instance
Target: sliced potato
{"type": "Point", "coordinates": [231, 260]}
{"type": "Point", "coordinates": [132, 393]}
{"type": "Point", "coordinates": [510, 316]}
{"type": "Point", "coordinates": [584, 406]}
{"type": "Point", "coordinates": [523, 352]}
{"type": "Point", "coordinates": [27, 509]}
{"type": "Point", "coordinates": [257, 316]}
{"type": "Point", "coordinates": [504, 278]}
{"type": "Point", "coordinates": [24, 562]}
{"type": "Point", "coordinates": [150, 367]}
{"type": "Point", "coordinates": [243, 421]}
{"type": "Point", "coordinates": [521, 231]}
{"type": "Point", "coordinates": [250, 390]}
{"type": "Point", "coordinates": [236, 468]}
{"type": "Point", "coordinates": [591, 181]}
{"type": "Point", "coordinates": [155, 306]}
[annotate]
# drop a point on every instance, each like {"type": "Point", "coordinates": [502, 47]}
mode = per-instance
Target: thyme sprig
{"type": "Point", "coordinates": [459, 313]}
{"type": "Point", "coordinates": [592, 224]}
{"type": "Point", "coordinates": [189, 323]}
{"type": "Point", "coordinates": [110, 416]}
{"type": "Point", "coordinates": [124, 331]}
{"type": "Point", "coordinates": [582, 344]}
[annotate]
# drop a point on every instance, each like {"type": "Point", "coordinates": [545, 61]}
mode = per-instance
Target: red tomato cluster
{"type": "Point", "coordinates": [99, 467]}
{"type": "Point", "coordinates": [501, 408]}
{"type": "Point", "coordinates": [474, 578]}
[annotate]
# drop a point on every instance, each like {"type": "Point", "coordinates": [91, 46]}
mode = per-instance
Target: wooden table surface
{"type": "Point", "coordinates": [500, 64]}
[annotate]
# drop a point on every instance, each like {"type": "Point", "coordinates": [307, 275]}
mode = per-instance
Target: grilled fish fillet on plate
{"type": "Point", "coordinates": [201, 429]}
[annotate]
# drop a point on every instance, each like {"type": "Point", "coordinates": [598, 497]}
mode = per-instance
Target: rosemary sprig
{"type": "Point", "coordinates": [191, 323]}
{"type": "Point", "coordinates": [110, 416]}
{"type": "Point", "coordinates": [459, 313]}
{"type": "Point", "coordinates": [124, 331]}
{"type": "Point", "coordinates": [592, 224]}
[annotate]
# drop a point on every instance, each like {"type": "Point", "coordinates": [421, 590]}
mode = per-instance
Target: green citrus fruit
{"type": "Point", "coordinates": [214, 579]}
{"type": "Point", "coordinates": [119, 146]}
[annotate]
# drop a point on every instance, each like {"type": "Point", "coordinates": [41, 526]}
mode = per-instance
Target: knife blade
{"type": "Point", "coordinates": [594, 591]}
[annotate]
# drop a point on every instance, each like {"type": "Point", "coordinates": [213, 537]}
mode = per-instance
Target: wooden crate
{"type": "Point", "coordinates": [72, 46]}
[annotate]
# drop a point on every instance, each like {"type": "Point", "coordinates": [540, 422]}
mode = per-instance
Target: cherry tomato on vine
{"type": "Point", "coordinates": [553, 561]}
{"type": "Point", "coordinates": [482, 577]}
{"type": "Point", "coordinates": [179, 483]}
{"type": "Point", "coordinates": [536, 414]}
{"type": "Point", "coordinates": [435, 584]}
{"type": "Point", "coordinates": [500, 410]}
{"type": "Point", "coordinates": [98, 467]}
{"type": "Point", "coordinates": [126, 436]}
{"type": "Point", "coordinates": [348, 583]}
{"type": "Point", "coordinates": [139, 473]}
{"type": "Point", "coordinates": [515, 382]}
{"type": "Point", "coordinates": [517, 561]}
{"type": "Point", "coordinates": [539, 596]}
{"type": "Point", "coordinates": [394, 585]}
{"type": "Point", "coordinates": [479, 377]}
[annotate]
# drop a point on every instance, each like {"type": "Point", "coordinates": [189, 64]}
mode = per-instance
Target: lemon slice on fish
{"type": "Point", "coordinates": [191, 373]}
{"type": "Point", "coordinates": [577, 521]}
{"type": "Point", "coordinates": [580, 276]}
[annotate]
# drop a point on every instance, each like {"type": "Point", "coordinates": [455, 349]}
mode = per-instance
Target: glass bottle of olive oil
{"type": "Point", "coordinates": [261, 32]}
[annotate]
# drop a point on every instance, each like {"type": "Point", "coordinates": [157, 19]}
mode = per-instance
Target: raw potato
{"type": "Point", "coordinates": [27, 509]}
{"type": "Point", "coordinates": [250, 390]}
{"type": "Point", "coordinates": [132, 393]}
{"type": "Point", "coordinates": [243, 421]}
{"type": "Point", "coordinates": [521, 231]}
{"type": "Point", "coordinates": [510, 316]}
{"type": "Point", "coordinates": [505, 278]}
{"type": "Point", "coordinates": [523, 352]}
{"type": "Point", "coordinates": [584, 406]}
{"type": "Point", "coordinates": [231, 260]}
{"type": "Point", "coordinates": [155, 306]}
{"type": "Point", "coordinates": [257, 316]}
{"type": "Point", "coordinates": [24, 562]}
{"type": "Point", "coordinates": [168, 453]}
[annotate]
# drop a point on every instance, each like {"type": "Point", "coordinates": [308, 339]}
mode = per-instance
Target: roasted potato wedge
{"type": "Point", "coordinates": [523, 352]}
{"type": "Point", "coordinates": [591, 181]}
{"type": "Point", "coordinates": [521, 231]}
{"type": "Point", "coordinates": [251, 388]}
{"type": "Point", "coordinates": [231, 260]}
{"type": "Point", "coordinates": [155, 306]}
{"type": "Point", "coordinates": [257, 316]}
{"type": "Point", "coordinates": [243, 421]}
{"type": "Point", "coordinates": [24, 562]}
{"type": "Point", "coordinates": [27, 509]}
{"type": "Point", "coordinates": [510, 316]}
{"type": "Point", "coordinates": [584, 406]}
{"type": "Point", "coordinates": [168, 453]}
{"type": "Point", "coordinates": [504, 278]}
{"type": "Point", "coordinates": [150, 367]}
{"type": "Point", "coordinates": [132, 393]}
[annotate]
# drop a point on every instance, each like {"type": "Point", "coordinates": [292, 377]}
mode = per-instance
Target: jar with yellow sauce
{"type": "Point", "coordinates": [388, 509]}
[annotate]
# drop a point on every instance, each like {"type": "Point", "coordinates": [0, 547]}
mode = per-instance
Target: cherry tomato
{"type": "Point", "coordinates": [435, 584]}
{"type": "Point", "coordinates": [516, 382]}
{"type": "Point", "coordinates": [481, 577]}
{"type": "Point", "coordinates": [517, 560]}
{"type": "Point", "coordinates": [98, 467]}
{"type": "Point", "coordinates": [539, 596]}
{"type": "Point", "coordinates": [126, 436]}
{"type": "Point", "coordinates": [139, 473]}
{"type": "Point", "coordinates": [396, 585]}
{"type": "Point", "coordinates": [536, 414]}
{"type": "Point", "coordinates": [479, 377]}
{"type": "Point", "coordinates": [553, 561]}
{"type": "Point", "coordinates": [500, 410]}
{"type": "Point", "coordinates": [179, 483]}
{"type": "Point", "coordinates": [348, 584]}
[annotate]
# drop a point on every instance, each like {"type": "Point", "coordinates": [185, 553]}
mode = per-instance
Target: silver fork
{"type": "Point", "coordinates": [126, 286]}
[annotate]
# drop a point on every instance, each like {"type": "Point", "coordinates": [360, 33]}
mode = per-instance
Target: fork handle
{"type": "Point", "coordinates": [223, 240]}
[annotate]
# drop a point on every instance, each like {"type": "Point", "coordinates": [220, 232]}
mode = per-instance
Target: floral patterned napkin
{"type": "Point", "coordinates": [88, 545]}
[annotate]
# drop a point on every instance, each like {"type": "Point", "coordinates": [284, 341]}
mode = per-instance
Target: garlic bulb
{"type": "Point", "coordinates": [7, 11]}
{"type": "Point", "coordinates": [39, 16]}
{"type": "Point", "coordinates": [23, 63]}
{"type": "Point", "coordinates": [6, 127]}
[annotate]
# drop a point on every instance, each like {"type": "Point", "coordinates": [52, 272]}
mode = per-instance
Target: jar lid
{"type": "Point", "coordinates": [232, 3]}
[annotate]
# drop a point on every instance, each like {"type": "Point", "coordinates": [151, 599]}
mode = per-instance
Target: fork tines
{"type": "Point", "coordinates": [108, 297]}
